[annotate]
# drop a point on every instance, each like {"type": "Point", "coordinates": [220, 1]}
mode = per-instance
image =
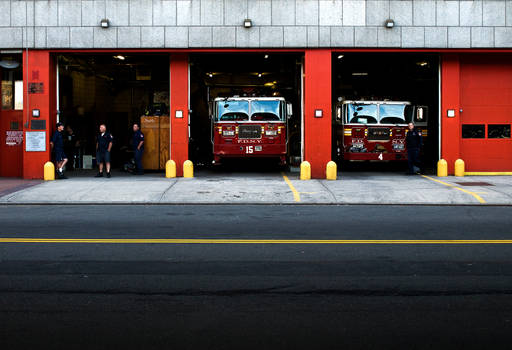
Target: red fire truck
{"type": "Point", "coordinates": [250, 127]}
{"type": "Point", "coordinates": [375, 130]}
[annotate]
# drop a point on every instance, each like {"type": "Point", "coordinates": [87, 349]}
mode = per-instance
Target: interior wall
{"type": "Point", "coordinates": [97, 89]}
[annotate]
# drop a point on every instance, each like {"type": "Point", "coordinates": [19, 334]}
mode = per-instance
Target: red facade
{"type": "Point", "coordinates": [476, 87]}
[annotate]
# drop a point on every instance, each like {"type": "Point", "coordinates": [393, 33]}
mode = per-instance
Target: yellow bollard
{"type": "Point", "coordinates": [170, 169]}
{"type": "Point", "coordinates": [442, 168]}
{"type": "Point", "coordinates": [49, 171]}
{"type": "Point", "coordinates": [331, 171]}
{"type": "Point", "coordinates": [459, 167]}
{"type": "Point", "coordinates": [188, 169]}
{"type": "Point", "coordinates": [305, 170]}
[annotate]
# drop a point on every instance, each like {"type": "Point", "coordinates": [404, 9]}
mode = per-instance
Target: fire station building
{"type": "Point", "coordinates": [86, 62]}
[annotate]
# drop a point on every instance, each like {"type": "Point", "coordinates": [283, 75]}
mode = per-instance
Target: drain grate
{"type": "Point", "coordinates": [475, 183]}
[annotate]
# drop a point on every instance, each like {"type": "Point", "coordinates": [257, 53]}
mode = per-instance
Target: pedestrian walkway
{"type": "Point", "coordinates": [10, 185]}
{"type": "Point", "coordinates": [269, 188]}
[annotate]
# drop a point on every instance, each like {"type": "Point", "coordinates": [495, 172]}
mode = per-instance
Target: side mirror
{"type": "Point", "coordinates": [421, 114]}
{"type": "Point", "coordinates": [338, 113]}
{"type": "Point", "coordinates": [210, 108]}
{"type": "Point", "coordinates": [289, 109]}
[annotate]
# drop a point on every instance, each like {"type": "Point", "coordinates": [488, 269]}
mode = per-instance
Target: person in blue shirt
{"type": "Point", "coordinates": [57, 146]}
{"type": "Point", "coordinates": [103, 148]}
{"type": "Point", "coordinates": [138, 148]}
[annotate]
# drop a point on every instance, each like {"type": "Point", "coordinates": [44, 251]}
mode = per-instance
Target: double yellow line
{"type": "Point", "coordinates": [251, 241]}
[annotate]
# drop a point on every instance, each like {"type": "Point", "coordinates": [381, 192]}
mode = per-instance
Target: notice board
{"type": "Point", "coordinates": [35, 141]}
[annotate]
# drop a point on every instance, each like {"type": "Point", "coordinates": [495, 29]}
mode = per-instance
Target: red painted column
{"type": "Point", "coordinates": [179, 106]}
{"type": "Point", "coordinates": [450, 99]}
{"type": "Point", "coordinates": [317, 96]}
{"type": "Point", "coordinates": [40, 90]}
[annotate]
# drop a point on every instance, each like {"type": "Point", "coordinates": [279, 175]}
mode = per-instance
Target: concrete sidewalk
{"type": "Point", "coordinates": [270, 188]}
{"type": "Point", "coordinates": [9, 185]}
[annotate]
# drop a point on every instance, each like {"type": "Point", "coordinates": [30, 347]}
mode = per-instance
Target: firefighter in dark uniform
{"type": "Point", "coordinates": [57, 146]}
{"type": "Point", "coordinates": [138, 149]}
{"type": "Point", "coordinates": [413, 142]}
{"type": "Point", "coordinates": [103, 148]}
{"type": "Point", "coordinates": [71, 147]}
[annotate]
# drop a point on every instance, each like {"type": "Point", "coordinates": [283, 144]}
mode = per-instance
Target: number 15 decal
{"type": "Point", "coordinates": [249, 149]}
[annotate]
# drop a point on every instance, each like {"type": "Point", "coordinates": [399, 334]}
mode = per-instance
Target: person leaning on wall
{"type": "Point", "coordinates": [57, 147]}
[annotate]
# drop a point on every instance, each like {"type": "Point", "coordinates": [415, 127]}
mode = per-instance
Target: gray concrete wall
{"type": "Point", "coordinates": [276, 23]}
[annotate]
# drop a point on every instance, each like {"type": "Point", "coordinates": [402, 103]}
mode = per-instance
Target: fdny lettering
{"type": "Point", "coordinates": [249, 141]}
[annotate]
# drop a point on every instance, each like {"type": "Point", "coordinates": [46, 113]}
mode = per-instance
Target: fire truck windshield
{"type": "Point", "coordinates": [265, 111]}
{"type": "Point", "coordinates": [379, 113]}
{"type": "Point", "coordinates": [394, 113]}
{"type": "Point", "coordinates": [362, 113]}
{"type": "Point", "coordinates": [232, 110]}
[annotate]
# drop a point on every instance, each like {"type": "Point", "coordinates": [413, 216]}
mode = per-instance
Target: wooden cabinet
{"type": "Point", "coordinates": [156, 141]}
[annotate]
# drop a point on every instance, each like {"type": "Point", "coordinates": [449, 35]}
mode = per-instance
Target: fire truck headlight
{"type": "Point", "coordinates": [228, 132]}
{"type": "Point", "coordinates": [270, 132]}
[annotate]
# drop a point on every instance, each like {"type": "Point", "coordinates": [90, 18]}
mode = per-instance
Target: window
{"type": "Point", "coordinates": [7, 94]}
{"type": "Point", "coordinates": [12, 89]}
{"type": "Point", "coordinates": [266, 110]}
{"type": "Point", "coordinates": [395, 113]}
{"type": "Point", "coordinates": [362, 114]}
{"type": "Point", "coordinates": [473, 131]}
{"type": "Point", "coordinates": [18, 95]}
{"type": "Point", "coordinates": [232, 110]}
{"type": "Point", "coordinates": [498, 131]}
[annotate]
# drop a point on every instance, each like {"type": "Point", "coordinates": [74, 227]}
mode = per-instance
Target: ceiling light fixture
{"type": "Point", "coordinates": [9, 64]}
{"type": "Point", "coordinates": [247, 23]}
{"type": "Point", "coordinates": [389, 23]}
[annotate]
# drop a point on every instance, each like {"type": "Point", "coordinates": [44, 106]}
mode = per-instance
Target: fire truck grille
{"type": "Point", "coordinates": [378, 134]}
{"type": "Point", "coordinates": [249, 132]}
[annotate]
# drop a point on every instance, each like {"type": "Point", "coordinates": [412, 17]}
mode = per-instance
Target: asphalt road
{"type": "Point", "coordinates": [256, 294]}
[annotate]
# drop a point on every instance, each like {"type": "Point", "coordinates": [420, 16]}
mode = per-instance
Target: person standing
{"type": "Point", "coordinates": [57, 146]}
{"type": "Point", "coordinates": [413, 142]}
{"type": "Point", "coordinates": [103, 148]}
{"type": "Point", "coordinates": [71, 146]}
{"type": "Point", "coordinates": [138, 148]}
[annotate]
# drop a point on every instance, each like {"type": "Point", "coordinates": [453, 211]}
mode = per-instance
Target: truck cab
{"type": "Point", "coordinates": [244, 127]}
{"type": "Point", "coordinates": [375, 130]}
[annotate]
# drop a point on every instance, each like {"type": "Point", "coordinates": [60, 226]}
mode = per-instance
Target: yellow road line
{"type": "Point", "coordinates": [487, 173]}
{"type": "Point", "coordinates": [478, 198]}
{"type": "Point", "coordinates": [296, 194]}
{"type": "Point", "coordinates": [251, 241]}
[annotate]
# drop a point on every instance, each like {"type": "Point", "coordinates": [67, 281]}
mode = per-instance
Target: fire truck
{"type": "Point", "coordinates": [375, 130]}
{"type": "Point", "coordinates": [250, 127]}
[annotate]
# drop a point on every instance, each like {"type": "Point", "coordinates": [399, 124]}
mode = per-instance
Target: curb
{"type": "Point", "coordinates": [252, 204]}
